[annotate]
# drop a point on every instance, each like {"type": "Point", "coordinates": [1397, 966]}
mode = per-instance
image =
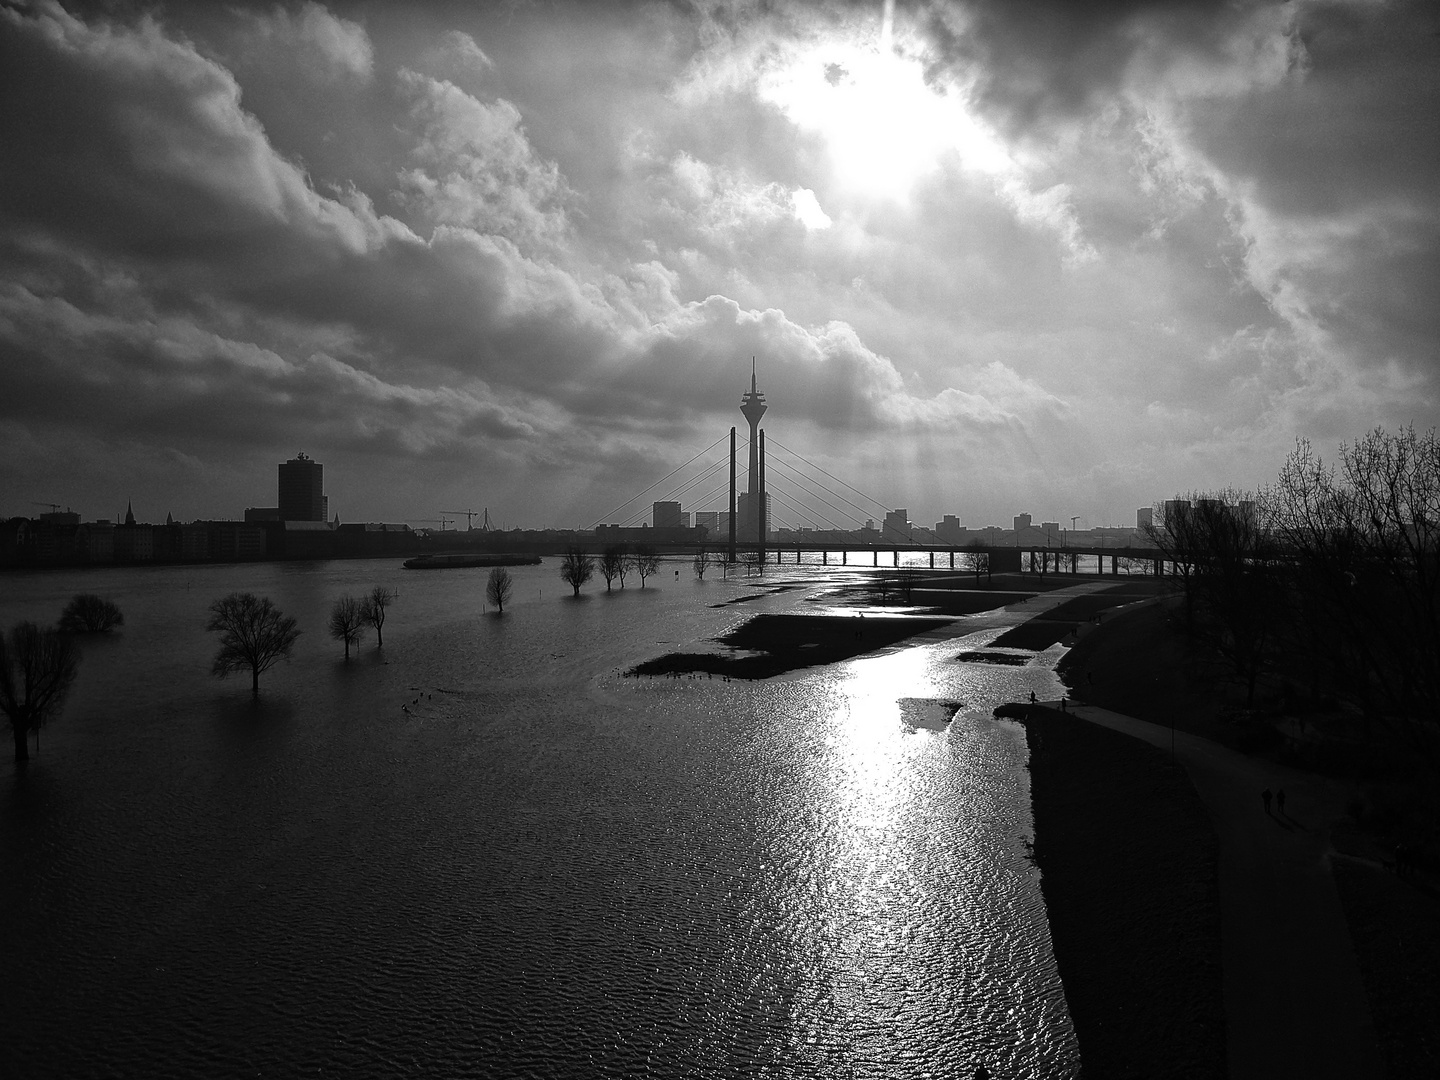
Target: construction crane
{"type": "Point", "coordinates": [1074, 519]}
{"type": "Point", "coordinates": [54, 507]}
{"type": "Point", "coordinates": [429, 521]}
{"type": "Point", "coordinates": [470, 516]}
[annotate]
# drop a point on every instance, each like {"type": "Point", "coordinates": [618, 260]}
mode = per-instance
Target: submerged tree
{"type": "Point", "coordinates": [576, 568]}
{"type": "Point", "coordinates": [90, 614]}
{"type": "Point", "coordinates": [612, 565]}
{"type": "Point", "coordinates": [253, 634]}
{"type": "Point", "coordinates": [702, 562]}
{"type": "Point", "coordinates": [498, 587]}
{"type": "Point", "coordinates": [347, 622]}
{"type": "Point", "coordinates": [379, 599]}
{"type": "Point", "coordinates": [645, 562]}
{"type": "Point", "coordinates": [37, 667]}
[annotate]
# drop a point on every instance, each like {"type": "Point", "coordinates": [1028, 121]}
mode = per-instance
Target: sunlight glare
{"type": "Point", "coordinates": [884, 127]}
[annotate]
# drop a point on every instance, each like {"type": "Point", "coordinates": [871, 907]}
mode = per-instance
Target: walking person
{"type": "Point", "coordinates": [1280, 800]}
{"type": "Point", "coordinates": [1265, 797]}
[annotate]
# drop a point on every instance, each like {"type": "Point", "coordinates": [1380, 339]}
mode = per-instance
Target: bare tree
{"type": "Point", "coordinates": [379, 599]}
{"type": "Point", "coordinates": [347, 622]}
{"type": "Point", "coordinates": [1366, 542]}
{"type": "Point", "coordinates": [37, 667]}
{"type": "Point", "coordinates": [645, 562]}
{"type": "Point", "coordinates": [702, 562]}
{"type": "Point", "coordinates": [90, 614]}
{"type": "Point", "coordinates": [576, 568]}
{"type": "Point", "coordinates": [1231, 579]}
{"type": "Point", "coordinates": [498, 587]}
{"type": "Point", "coordinates": [612, 565]}
{"type": "Point", "coordinates": [253, 634]}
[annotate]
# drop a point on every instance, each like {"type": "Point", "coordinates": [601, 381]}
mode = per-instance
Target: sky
{"type": "Point", "coordinates": [989, 258]}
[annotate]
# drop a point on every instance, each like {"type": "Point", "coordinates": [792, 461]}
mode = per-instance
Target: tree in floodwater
{"type": "Point", "coordinates": [37, 667]}
{"type": "Point", "coordinates": [576, 568]}
{"type": "Point", "coordinates": [379, 599]}
{"type": "Point", "coordinates": [702, 562]}
{"type": "Point", "coordinates": [612, 565]}
{"type": "Point", "coordinates": [253, 634]}
{"type": "Point", "coordinates": [499, 587]}
{"type": "Point", "coordinates": [347, 622]}
{"type": "Point", "coordinates": [90, 614]}
{"type": "Point", "coordinates": [645, 562]}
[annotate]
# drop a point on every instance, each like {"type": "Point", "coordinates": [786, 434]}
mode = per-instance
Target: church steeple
{"type": "Point", "coordinates": [129, 514]}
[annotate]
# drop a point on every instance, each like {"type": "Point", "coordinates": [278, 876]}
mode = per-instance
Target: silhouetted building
{"type": "Point", "coordinates": [302, 490]}
{"type": "Point", "coordinates": [896, 526]}
{"type": "Point", "coordinates": [949, 530]}
{"type": "Point", "coordinates": [668, 515]}
{"type": "Point", "coordinates": [1144, 517]}
{"type": "Point", "coordinates": [708, 520]}
{"type": "Point", "coordinates": [747, 517]}
{"type": "Point", "coordinates": [262, 513]}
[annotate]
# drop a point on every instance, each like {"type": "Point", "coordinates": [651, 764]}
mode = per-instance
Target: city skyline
{"type": "Point", "coordinates": [993, 258]}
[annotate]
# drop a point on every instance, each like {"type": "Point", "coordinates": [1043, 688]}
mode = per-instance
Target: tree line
{"type": "Point", "coordinates": [1325, 583]}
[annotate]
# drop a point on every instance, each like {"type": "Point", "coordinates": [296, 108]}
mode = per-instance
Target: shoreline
{"type": "Point", "coordinates": [1129, 865]}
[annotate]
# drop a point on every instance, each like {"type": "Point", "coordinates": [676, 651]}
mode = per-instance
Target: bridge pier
{"type": "Point", "coordinates": [844, 558]}
{"type": "Point", "coordinates": [877, 556]}
{"type": "Point", "coordinates": [895, 557]}
{"type": "Point", "coordinates": [952, 558]}
{"type": "Point", "coordinates": [824, 558]}
{"type": "Point", "coordinates": [932, 560]}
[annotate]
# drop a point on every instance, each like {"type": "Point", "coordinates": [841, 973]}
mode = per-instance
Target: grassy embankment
{"type": "Point", "coordinates": [1142, 664]}
{"type": "Point", "coordinates": [1130, 884]}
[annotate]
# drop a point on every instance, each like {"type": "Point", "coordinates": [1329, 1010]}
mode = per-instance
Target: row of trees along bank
{"type": "Point", "coordinates": [1324, 588]}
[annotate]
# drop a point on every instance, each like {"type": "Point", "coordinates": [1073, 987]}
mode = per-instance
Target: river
{"type": "Point", "coordinates": [542, 869]}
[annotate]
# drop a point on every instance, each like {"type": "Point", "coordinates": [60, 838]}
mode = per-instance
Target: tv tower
{"type": "Point", "coordinates": [753, 406]}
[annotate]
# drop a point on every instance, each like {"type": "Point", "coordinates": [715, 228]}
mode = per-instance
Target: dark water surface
{"type": "Point", "coordinates": [545, 870]}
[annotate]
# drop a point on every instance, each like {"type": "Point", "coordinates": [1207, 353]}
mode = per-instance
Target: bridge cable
{"type": "Point", "coordinates": [667, 476]}
{"type": "Point", "coordinates": [803, 481]}
{"type": "Point", "coordinates": [676, 491]}
{"type": "Point", "coordinates": [877, 502]}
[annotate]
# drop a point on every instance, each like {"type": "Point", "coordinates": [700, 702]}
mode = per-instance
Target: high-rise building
{"type": "Point", "coordinates": [897, 525]}
{"type": "Point", "coordinates": [667, 515]}
{"type": "Point", "coordinates": [302, 490]}
{"type": "Point", "coordinates": [752, 405]}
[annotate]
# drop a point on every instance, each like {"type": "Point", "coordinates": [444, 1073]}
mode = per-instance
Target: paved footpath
{"type": "Point", "coordinates": [1294, 1000]}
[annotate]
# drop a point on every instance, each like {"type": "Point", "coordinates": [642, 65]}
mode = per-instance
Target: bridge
{"type": "Point", "coordinates": [819, 514]}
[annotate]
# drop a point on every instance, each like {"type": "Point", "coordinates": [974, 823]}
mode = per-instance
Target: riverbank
{"type": "Point", "coordinates": [1130, 884]}
{"type": "Point", "coordinates": [1140, 664]}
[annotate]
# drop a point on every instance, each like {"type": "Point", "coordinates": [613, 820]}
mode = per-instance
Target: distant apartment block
{"type": "Point", "coordinates": [1144, 518]}
{"type": "Point", "coordinates": [302, 490]}
{"type": "Point", "coordinates": [707, 519]}
{"type": "Point", "coordinates": [897, 525]}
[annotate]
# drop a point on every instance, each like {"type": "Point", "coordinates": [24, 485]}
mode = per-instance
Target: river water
{"type": "Point", "coordinates": [543, 869]}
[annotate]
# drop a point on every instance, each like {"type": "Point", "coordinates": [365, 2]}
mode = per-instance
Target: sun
{"type": "Point", "coordinates": [884, 126]}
